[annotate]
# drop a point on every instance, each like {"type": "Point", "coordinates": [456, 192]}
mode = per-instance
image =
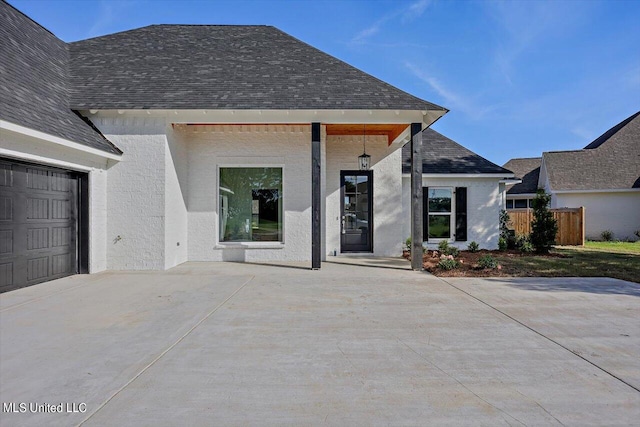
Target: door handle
{"type": "Point", "coordinates": [343, 223]}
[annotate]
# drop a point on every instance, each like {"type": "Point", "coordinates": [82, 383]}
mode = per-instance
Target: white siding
{"type": "Point", "coordinates": [484, 201]}
{"type": "Point", "coordinates": [617, 212]}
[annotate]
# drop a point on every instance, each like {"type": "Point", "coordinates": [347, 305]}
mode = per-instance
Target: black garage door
{"type": "Point", "coordinates": [38, 224]}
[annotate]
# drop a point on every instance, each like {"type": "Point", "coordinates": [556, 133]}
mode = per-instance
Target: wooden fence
{"type": "Point", "coordinates": [570, 224]}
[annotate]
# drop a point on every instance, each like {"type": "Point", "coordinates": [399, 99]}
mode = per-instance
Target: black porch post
{"type": "Point", "coordinates": [416, 196]}
{"type": "Point", "coordinates": [315, 197]}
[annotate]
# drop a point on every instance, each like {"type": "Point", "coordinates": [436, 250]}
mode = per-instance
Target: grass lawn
{"type": "Point", "coordinates": [621, 247]}
{"type": "Point", "coordinates": [578, 262]}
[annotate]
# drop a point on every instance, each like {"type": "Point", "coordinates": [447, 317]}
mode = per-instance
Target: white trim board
{"type": "Point", "coordinates": [57, 140]}
{"type": "Point", "coordinates": [18, 155]}
{"type": "Point", "coordinates": [461, 175]}
{"type": "Point", "coordinates": [612, 190]}
{"type": "Point", "coordinates": [426, 117]}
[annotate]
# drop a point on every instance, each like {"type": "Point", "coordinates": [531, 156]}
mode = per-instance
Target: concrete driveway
{"type": "Point", "coordinates": [241, 344]}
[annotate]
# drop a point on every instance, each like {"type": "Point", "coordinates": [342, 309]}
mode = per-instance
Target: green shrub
{"type": "Point", "coordinates": [527, 247]}
{"type": "Point", "coordinates": [448, 263]}
{"type": "Point", "coordinates": [407, 244]}
{"type": "Point", "coordinates": [523, 243]}
{"type": "Point", "coordinates": [502, 244]}
{"type": "Point", "coordinates": [487, 261]}
{"type": "Point", "coordinates": [446, 249]}
{"type": "Point", "coordinates": [606, 235]}
{"type": "Point", "coordinates": [473, 247]}
{"type": "Point", "coordinates": [544, 227]}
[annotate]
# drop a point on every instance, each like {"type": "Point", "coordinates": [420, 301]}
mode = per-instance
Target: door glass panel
{"type": "Point", "coordinates": [363, 201]}
{"type": "Point", "coordinates": [349, 184]}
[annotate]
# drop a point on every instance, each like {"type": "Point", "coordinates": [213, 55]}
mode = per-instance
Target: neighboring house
{"type": "Point", "coordinates": [171, 143]}
{"type": "Point", "coordinates": [519, 196]}
{"type": "Point", "coordinates": [604, 177]}
{"type": "Point", "coordinates": [463, 193]}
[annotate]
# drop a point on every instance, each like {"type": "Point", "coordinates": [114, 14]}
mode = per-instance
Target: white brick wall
{"type": "Point", "coordinates": [136, 194]}
{"type": "Point", "coordinates": [176, 220]}
{"type": "Point", "coordinates": [342, 154]}
{"type": "Point", "coordinates": [484, 202]}
{"type": "Point", "coordinates": [97, 220]}
{"type": "Point", "coordinates": [210, 147]}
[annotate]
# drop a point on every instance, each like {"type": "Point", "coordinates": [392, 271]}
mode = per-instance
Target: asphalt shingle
{"type": "Point", "coordinates": [441, 155]}
{"type": "Point", "coordinates": [611, 161]}
{"type": "Point", "coordinates": [526, 169]}
{"type": "Point", "coordinates": [221, 67]}
{"type": "Point", "coordinates": [34, 82]}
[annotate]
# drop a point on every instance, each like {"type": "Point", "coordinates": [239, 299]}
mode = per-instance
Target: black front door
{"type": "Point", "coordinates": [357, 211]}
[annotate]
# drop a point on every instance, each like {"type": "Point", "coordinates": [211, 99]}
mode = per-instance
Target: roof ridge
{"type": "Point", "coordinates": [171, 25]}
{"type": "Point", "coordinates": [524, 158]}
{"type": "Point", "coordinates": [606, 136]}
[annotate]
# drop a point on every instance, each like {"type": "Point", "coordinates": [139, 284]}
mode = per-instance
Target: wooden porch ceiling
{"type": "Point", "coordinates": [392, 131]}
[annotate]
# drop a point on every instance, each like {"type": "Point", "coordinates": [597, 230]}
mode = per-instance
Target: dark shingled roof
{"type": "Point", "coordinates": [441, 155]}
{"type": "Point", "coordinates": [34, 82]}
{"type": "Point", "coordinates": [528, 170]}
{"type": "Point", "coordinates": [221, 67]}
{"type": "Point", "coordinates": [612, 161]}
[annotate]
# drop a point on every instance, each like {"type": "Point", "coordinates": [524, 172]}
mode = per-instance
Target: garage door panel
{"type": "Point", "coordinates": [37, 179]}
{"type": "Point", "coordinates": [37, 268]}
{"type": "Point", "coordinates": [6, 242]}
{"type": "Point", "coordinates": [38, 225]}
{"type": "Point", "coordinates": [6, 208]}
{"type": "Point", "coordinates": [37, 208]}
{"type": "Point", "coordinates": [6, 175]}
{"type": "Point", "coordinates": [6, 275]}
{"type": "Point", "coordinates": [37, 238]}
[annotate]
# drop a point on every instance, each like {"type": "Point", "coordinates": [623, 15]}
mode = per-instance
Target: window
{"type": "Point", "coordinates": [520, 203]}
{"type": "Point", "coordinates": [250, 205]}
{"type": "Point", "coordinates": [440, 209]}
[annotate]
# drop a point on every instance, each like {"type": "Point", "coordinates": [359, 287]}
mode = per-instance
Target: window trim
{"type": "Point", "coordinates": [247, 244]}
{"type": "Point", "coordinates": [452, 216]}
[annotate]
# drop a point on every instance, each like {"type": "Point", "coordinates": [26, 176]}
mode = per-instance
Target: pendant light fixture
{"type": "Point", "coordinates": [364, 159]}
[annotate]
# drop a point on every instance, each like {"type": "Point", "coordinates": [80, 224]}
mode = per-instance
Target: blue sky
{"type": "Point", "coordinates": [519, 77]}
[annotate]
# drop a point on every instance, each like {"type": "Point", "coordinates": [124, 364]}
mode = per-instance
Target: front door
{"type": "Point", "coordinates": [357, 211]}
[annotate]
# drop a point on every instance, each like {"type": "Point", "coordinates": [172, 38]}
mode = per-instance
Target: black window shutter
{"type": "Point", "coordinates": [461, 214]}
{"type": "Point", "coordinates": [425, 213]}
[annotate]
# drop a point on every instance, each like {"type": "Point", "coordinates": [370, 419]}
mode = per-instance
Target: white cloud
{"type": "Point", "coordinates": [110, 13]}
{"type": "Point", "coordinates": [452, 99]}
{"type": "Point", "coordinates": [415, 10]}
{"type": "Point", "coordinates": [411, 12]}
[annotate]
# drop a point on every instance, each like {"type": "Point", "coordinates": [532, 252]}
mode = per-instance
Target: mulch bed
{"type": "Point", "coordinates": [469, 263]}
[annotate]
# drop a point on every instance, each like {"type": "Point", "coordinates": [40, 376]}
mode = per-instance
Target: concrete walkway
{"type": "Point", "coordinates": [245, 344]}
